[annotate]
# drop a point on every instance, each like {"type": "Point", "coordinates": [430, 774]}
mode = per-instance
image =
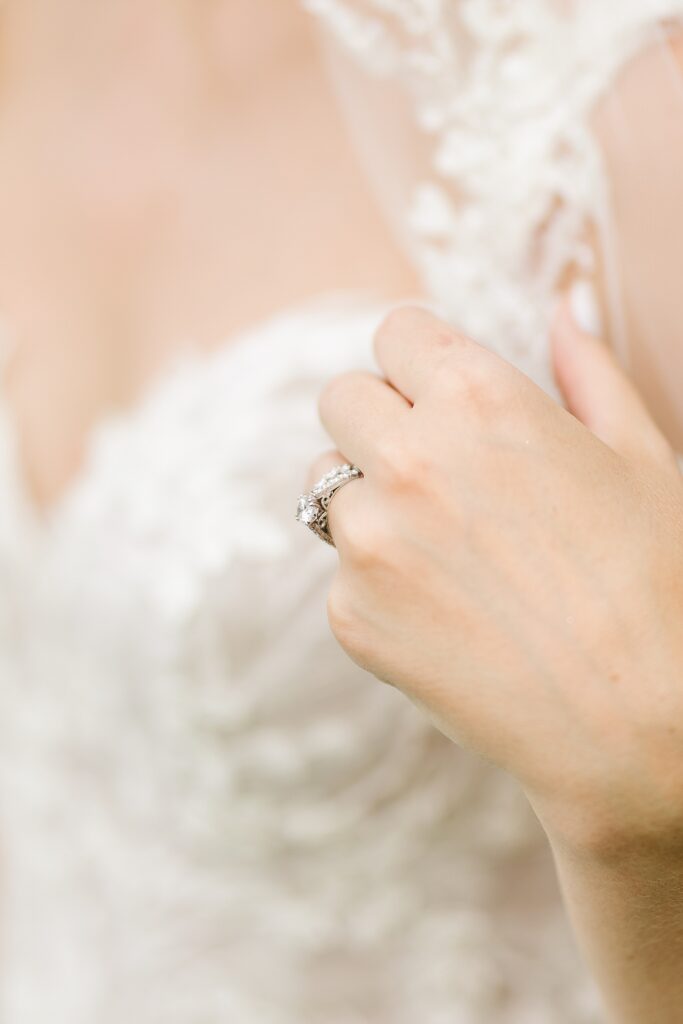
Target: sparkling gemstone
{"type": "Point", "coordinates": [309, 514]}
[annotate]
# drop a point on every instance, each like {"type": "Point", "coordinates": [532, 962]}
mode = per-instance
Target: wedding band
{"type": "Point", "coordinates": [312, 509]}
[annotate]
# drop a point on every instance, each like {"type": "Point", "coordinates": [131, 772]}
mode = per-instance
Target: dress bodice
{"type": "Point", "coordinates": [209, 814]}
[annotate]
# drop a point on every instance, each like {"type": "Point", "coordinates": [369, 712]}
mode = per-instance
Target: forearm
{"type": "Point", "coordinates": [627, 914]}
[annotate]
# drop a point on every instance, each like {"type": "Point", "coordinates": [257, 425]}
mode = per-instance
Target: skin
{"type": "Point", "coordinates": [515, 568]}
{"type": "Point", "coordinates": [160, 164]}
{"type": "Point", "coordinates": [640, 126]}
{"type": "Point", "coordinates": [136, 154]}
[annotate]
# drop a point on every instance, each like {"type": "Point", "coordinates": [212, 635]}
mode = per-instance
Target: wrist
{"type": "Point", "coordinates": [626, 911]}
{"type": "Point", "coordinates": [607, 835]}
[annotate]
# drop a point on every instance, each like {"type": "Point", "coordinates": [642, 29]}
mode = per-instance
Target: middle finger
{"type": "Point", "coordinates": [358, 410]}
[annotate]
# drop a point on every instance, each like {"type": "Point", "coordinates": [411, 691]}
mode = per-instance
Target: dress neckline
{"type": "Point", "coordinates": [39, 521]}
{"type": "Point", "coordinates": [35, 524]}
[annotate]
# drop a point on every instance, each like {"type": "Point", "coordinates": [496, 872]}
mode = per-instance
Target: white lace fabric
{"type": "Point", "coordinates": [209, 814]}
{"type": "Point", "coordinates": [501, 92]}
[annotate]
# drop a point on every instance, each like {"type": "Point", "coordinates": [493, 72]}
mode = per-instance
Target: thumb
{"type": "Point", "coordinates": [599, 393]}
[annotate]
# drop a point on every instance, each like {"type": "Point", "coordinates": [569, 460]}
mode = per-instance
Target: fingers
{"type": "Point", "coordinates": [347, 504]}
{"type": "Point", "coordinates": [357, 410]}
{"type": "Point", "coordinates": [413, 347]}
{"type": "Point", "coordinates": [600, 394]}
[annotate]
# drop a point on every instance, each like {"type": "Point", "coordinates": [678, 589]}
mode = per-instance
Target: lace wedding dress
{"type": "Point", "coordinates": [209, 815]}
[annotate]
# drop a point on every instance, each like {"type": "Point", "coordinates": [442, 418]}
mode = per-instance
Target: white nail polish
{"type": "Point", "coordinates": [583, 301]}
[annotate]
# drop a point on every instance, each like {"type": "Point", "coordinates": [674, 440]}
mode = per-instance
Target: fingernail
{"type": "Point", "coordinates": [583, 302]}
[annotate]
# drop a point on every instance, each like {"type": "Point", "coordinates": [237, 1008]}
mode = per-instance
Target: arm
{"type": "Point", "coordinates": [627, 914]}
{"type": "Point", "coordinates": [516, 568]}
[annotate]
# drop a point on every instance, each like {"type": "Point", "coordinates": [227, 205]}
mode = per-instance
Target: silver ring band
{"type": "Point", "coordinates": [312, 509]}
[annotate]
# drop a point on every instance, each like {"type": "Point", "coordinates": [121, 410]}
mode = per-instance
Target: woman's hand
{"type": "Point", "coordinates": [517, 569]}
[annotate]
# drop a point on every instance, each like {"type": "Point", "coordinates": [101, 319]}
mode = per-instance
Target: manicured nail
{"type": "Point", "coordinates": [583, 302]}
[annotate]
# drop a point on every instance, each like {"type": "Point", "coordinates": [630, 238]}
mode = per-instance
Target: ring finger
{"type": "Point", "coordinates": [343, 496]}
{"type": "Point", "coordinates": [358, 410]}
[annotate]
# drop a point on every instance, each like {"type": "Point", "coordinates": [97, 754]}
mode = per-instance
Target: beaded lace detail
{"type": "Point", "coordinates": [209, 814]}
{"type": "Point", "coordinates": [503, 89]}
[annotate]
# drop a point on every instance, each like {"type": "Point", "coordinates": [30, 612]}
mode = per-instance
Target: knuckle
{"type": "Point", "coordinates": [405, 469]}
{"type": "Point", "coordinates": [390, 456]}
{"type": "Point", "coordinates": [473, 373]}
{"type": "Point", "coordinates": [365, 543]}
{"type": "Point", "coordinates": [477, 384]}
{"type": "Point", "coordinates": [492, 390]}
{"type": "Point", "coordinates": [400, 321]}
{"type": "Point", "coordinates": [415, 474]}
{"type": "Point", "coordinates": [347, 626]}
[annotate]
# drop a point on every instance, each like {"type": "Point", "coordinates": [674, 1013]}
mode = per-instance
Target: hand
{"type": "Point", "coordinates": [517, 569]}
